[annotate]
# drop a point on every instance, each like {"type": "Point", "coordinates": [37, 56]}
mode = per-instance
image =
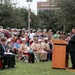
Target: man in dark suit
{"type": "Point", "coordinates": [6, 58]}
{"type": "Point", "coordinates": [72, 48]}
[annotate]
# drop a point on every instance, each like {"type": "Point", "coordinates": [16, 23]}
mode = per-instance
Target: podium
{"type": "Point", "coordinates": [60, 54]}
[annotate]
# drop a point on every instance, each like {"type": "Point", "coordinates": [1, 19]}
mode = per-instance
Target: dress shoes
{"type": "Point", "coordinates": [3, 68]}
{"type": "Point", "coordinates": [9, 67]}
{"type": "Point", "coordinates": [12, 66]}
{"type": "Point", "coordinates": [71, 68]}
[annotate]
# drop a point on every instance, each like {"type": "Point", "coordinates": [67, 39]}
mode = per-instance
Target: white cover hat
{"type": "Point", "coordinates": [9, 40]}
{"type": "Point", "coordinates": [39, 39]}
{"type": "Point", "coordinates": [23, 39]}
{"type": "Point", "coordinates": [46, 38]}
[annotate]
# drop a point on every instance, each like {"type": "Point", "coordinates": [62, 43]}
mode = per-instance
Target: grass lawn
{"type": "Point", "coordinates": [38, 68]}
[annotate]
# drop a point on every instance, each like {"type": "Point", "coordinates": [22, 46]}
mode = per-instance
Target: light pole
{"type": "Point", "coordinates": [64, 26]}
{"type": "Point", "coordinates": [29, 2]}
{"type": "Point", "coordinates": [50, 5]}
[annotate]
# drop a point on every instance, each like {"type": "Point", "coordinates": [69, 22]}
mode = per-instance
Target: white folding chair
{"type": "Point", "coordinates": [24, 58]}
{"type": "Point", "coordinates": [36, 57]}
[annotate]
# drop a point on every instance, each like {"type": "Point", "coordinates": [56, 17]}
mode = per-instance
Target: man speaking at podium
{"type": "Point", "coordinates": [72, 48]}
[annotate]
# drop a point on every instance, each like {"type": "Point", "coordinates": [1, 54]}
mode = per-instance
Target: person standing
{"type": "Point", "coordinates": [72, 48]}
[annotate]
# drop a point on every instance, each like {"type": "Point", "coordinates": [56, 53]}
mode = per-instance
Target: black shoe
{"type": "Point", "coordinates": [9, 67]}
{"type": "Point", "coordinates": [3, 68]}
{"type": "Point", "coordinates": [0, 68]}
{"type": "Point", "coordinates": [32, 61]}
{"type": "Point", "coordinates": [12, 66]}
{"type": "Point", "coordinates": [71, 68]}
{"type": "Point", "coordinates": [42, 60]}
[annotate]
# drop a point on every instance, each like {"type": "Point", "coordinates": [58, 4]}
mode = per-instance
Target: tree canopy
{"type": "Point", "coordinates": [59, 19]}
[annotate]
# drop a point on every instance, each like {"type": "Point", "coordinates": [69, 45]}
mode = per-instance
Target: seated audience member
{"type": "Point", "coordinates": [8, 45]}
{"type": "Point", "coordinates": [14, 48]}
{"type": "Point", "coordinates": [38, 49]}
{"type": "Point", "coordinates": [46, 47]}
{"type": "Point", "coordinates": [57, 35]}
{"type": "Point", "coordinates": [51, 47]}
{"type": "Point", "coordinates": [1, 33]}
{"type": "Point", "coordinates": [7, 59]}
{"type": "Point", "coordinates": [34, 45]}
{"type": "Point", "coordinates": [43, 54]}
{"type": "Point", "coordinates": [19, 36]}
{"type": "Point", "coordinates": [14, 38]}
{"type": "Point", "coordinates": [25, 49]}
{"type": "Point", "coordinates": [27, 40]}
{"type": "Point", "coordinates": [7, 34]}
{"type": "Point", "coordinates": [31, 36]}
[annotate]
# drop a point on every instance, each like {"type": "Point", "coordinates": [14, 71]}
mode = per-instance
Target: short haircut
{"type": "Point", "coordinates": [35, 38]}
{"type": "Point", "coordinates": [3, 39]}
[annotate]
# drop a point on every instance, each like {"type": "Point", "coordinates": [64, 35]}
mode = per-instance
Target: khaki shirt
{"type": "Point", "coordinates": [34, 47]}
{"type": "Point", "coordinates": [39, 46]}
{"type": "Point", "coordinates": [24, 47]}
{"type": "Point", "coordinates": [45, 46]}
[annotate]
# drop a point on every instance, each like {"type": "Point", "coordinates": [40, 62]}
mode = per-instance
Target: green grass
{"type": "Point", "coordinates": [38, 68]}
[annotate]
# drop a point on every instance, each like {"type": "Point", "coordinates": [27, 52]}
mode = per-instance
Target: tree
{"type": "Point", "coordinates": [48, 19]}
{"type": "Point", "coordinates": [6, 11]}
{"type": "Point", "coordinates": [67, 8]}
{"type": "Point", "coordinates": [11, 16]}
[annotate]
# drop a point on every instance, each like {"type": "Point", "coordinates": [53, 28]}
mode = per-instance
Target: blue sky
{"type": "Point", "coordinates": [23, 3]}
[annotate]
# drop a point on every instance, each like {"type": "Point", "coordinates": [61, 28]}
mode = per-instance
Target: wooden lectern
{"type": "Point", "coordinates": [60, 54]}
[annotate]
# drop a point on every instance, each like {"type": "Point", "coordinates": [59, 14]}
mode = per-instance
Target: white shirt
{"type": "Point", "coordinates": [32, 36]}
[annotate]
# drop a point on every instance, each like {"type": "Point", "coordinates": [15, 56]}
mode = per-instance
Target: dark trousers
{"type": "Point", "coordinates": [0, 62]}
{"type": "Point", "coordinates": [72, 55]}
{"type": "Point", "coordinates": [31, 58]}
{"type": "Point", "coordinates": [49, 55]}
{"type": "Point", "coordinates": [8, 59]}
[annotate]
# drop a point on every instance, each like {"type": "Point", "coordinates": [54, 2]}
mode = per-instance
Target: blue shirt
{"type": "Point", "coordinates": [17, 45]}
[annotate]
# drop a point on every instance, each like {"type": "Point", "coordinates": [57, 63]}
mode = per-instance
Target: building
{"type": "Point", "coordinates": [49, 5]}
{"type": "Point", "coordinates": [48, 0]}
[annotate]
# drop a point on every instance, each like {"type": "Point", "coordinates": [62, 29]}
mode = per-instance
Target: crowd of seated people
{"type": "Point", "coordinates": [38, 49]}
{"type": "Point", "coordinates": [19, 41]}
